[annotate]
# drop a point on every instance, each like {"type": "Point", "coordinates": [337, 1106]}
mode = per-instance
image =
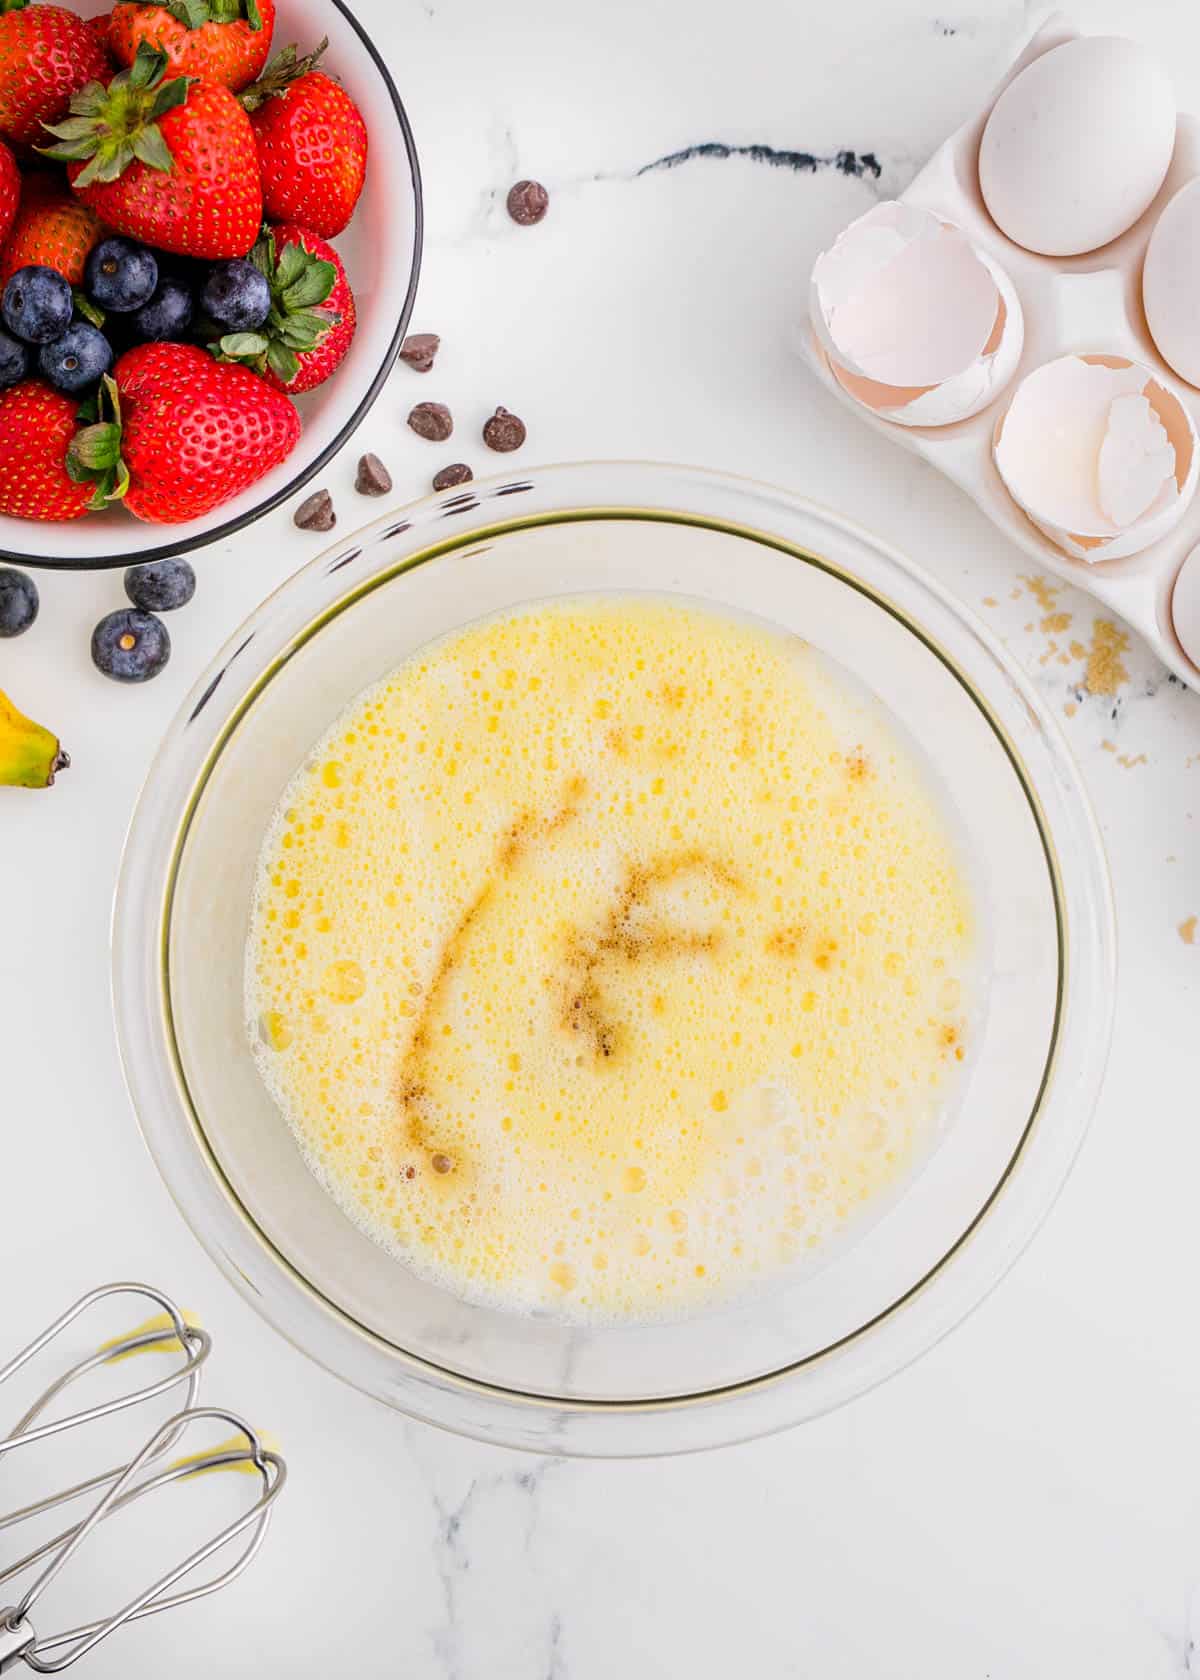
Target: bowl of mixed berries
{"type": "Point", "coordinates": [210, 235]}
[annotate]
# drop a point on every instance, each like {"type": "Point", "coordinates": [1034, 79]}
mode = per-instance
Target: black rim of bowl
{"type": "Point", "coordinates": [183, 544]}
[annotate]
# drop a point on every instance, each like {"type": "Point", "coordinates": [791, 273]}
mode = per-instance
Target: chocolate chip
{"type": "Point", "coordinates": [419, 349]}
{"type": "Point", "coordinates": [458, 473]}
{"type": "Point", "coordinates": [373, 477]}
{"type": "Point", "coordinates": [528, 202]}
{"type": "Point", "coordinates": [316, 513]}
{"type": "Point", "coordinates": [432, 421]}
{"type": "Point", "coordinates": [442, 1164]}
{"type": "Point", "coordinates": [504, 432]}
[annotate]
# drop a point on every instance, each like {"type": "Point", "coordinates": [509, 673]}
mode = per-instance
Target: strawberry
{"type": "Point", "coordinates": [10, 191]}
{"type": "Point", "coordinates": [37, 426]}
{"type": "Point", "coordinates": [52, 230]}
{"type": "Point", "coordinates": [224, 41]}
{"type": "Point", "coordinates": [171, 163]}
{"type": "Point", "coordinates": [46, 54]}
{"type": "Point", "coordinates": [312, 318]}
{"type": "Point", "coordinates": [312, 143]}
{"type": "Point", "coordinates": [99, 26]}
{"type": "Point", "coordinates": [185, 433]}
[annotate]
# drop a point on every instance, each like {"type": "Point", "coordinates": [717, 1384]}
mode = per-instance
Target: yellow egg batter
{"type": "Point", "coordinates": [610, 955]}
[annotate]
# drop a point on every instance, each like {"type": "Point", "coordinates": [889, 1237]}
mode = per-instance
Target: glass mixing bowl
{"type": "Point", "coordinates": [761, 1361]}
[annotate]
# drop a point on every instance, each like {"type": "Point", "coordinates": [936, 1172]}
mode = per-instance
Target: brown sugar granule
{"type": "Point", "coordinates": [1106, 671]}
{"type": "Point", "coordinates": [1187, 931]}
{"type": "Point", "coordinates": [1043, 591]}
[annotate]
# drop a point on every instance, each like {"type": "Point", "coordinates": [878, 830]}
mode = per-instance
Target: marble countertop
{"type": "Point", "coordinates": [1025, 1501]}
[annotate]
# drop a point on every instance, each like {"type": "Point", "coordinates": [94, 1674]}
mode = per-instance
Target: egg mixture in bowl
{"type": "Point", "coordinates": [609, 955]}
{"type": "Point", "coordinates": [613, 960]}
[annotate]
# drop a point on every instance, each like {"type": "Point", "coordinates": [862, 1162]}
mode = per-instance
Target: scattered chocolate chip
{"type": "Point", "coordinates": [441, 1164]}
{"type": "Point", "coordinates": [373, 477]}
{"type": "Point", "coordinates": [504, 432]}
{"type": "Point", "coordinates": [432, 420]}
{"type": "Point", "coordinates": [528, 202]}
{"type": "Point", "coordinates": [457, 473]}
{"type": "Point", "coordinates": [316, 513]}
{"type": "Point", "coordinates": [419, 349]}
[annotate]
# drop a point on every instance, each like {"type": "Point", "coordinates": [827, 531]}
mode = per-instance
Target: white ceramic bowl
{"type": "Point", "coordinates": [382, 252]}
{"type": "Point", "coordinates": [750, 1365]}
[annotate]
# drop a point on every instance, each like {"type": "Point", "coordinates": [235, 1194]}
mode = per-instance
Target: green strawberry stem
{"type": "Point", "coordinates": [90, 311]}
{"type": "Point", "coordinates": [113, 125]}
{"type": "Point", "coordinates": [13, 5]}
{"type": "Point", "coordinates": [194, 14]}
{"type": "Point", "coordinates": [284, 69]}
{"type": "Point", "coordinates": [94, 455]}
{"type": "Point", "coordinates": [300, 283]}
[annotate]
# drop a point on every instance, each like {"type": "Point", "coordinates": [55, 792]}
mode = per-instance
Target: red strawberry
{"type": "Point", "coordinates": [10, 191]}
{"type": "Point", "coordinates": [53, 230]}
{"type": "Point", "coordinates": [100, 26]}
{"type": "Point", "coordinates": [312, 318]}
{"type": "Point", "coordinates": [37, 425]}
{"type": "Point", "coordinates": [168, 162]}
{"type": "Point", "coordinates": [187, 433]}
{"type": "Point", "coordinates": [224, 41]}
{"type": "Point", "coordinates": [46, 55]}
{"type": "Point", "coordinates": [312, 144]}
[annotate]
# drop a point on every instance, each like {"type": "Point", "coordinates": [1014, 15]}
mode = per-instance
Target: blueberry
{"type": "Point", "coordinates": [14, 361]}
{"type": "Point", "coordinates": [78, 359]}
{"type": "Point", "coordinates": [121, 275]}
{"type": "Point", "coordinates": [236, 295]}
{"type": "Point", "coordinates": [168, 315]}
{"type": "Point", "coordinates": [161, 585]}
{"type": "Point", "coordinates": [130, 646]}
{"type": "Point", "coordinates": [37, 305]}
{"type": "Point", "coordinates": [18, 601]}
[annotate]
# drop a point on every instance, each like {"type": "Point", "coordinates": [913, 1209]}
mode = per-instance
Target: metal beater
{"type": "Point", "coordinates": [120, 1486]}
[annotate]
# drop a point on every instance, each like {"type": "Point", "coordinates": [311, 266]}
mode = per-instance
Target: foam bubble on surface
{"type": "Point", "coordinates": [610, 956]}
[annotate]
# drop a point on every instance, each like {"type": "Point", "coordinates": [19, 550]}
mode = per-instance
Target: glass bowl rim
{"type": "Point", "coordinates": [1088, 920]}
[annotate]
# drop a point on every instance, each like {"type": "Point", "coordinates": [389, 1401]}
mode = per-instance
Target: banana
{"type": "Point", "coordinates": [29, 755]}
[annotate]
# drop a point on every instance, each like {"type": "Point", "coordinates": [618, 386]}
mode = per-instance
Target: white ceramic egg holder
{"type": "Point", "coordinates": [1086, 303]}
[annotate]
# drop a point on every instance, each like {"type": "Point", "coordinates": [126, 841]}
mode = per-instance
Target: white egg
{"type": "Point", "coordinates": [1099, 454]}
{"type": "Point", "coordinates": [1171, 283]}
{"type": "Point", "coordinates": [1077, 145]}
{"type": "Point", "coordinates": [1185, 606]}
{"type": "Point", "coordinates": [917, 324]}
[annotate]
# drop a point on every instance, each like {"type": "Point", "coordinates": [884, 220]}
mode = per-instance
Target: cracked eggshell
{"type": "Point", "coordinates": [916, 323]}
{"type": "Point", "coordinates": [1077, 145]}
{"type": "Point", "coordinates": [1099, 454]}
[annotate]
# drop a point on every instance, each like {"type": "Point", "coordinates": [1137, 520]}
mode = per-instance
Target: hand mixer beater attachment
{"type": "Point", "coordinates": [117, 1488]}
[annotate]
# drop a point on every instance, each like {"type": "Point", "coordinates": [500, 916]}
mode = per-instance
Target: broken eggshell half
{"type": "Point", "coordinates": [917, 324]}
{"type": "Point", "coordinates": [1098, 453]}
